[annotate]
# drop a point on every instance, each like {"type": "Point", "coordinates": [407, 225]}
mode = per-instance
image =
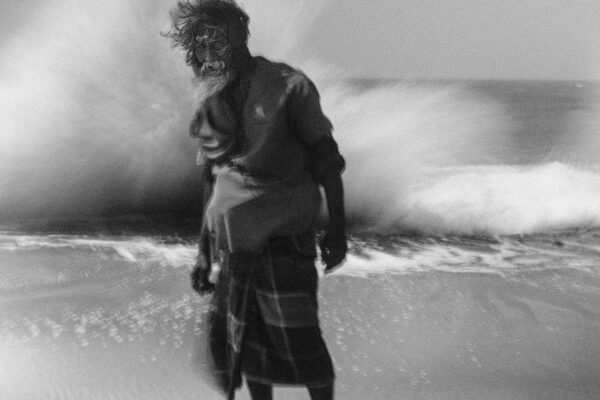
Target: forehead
{"type": "Point", "coordinates": [210, 32]}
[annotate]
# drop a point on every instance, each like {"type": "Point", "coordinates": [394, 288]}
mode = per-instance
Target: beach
{"type": "Point", "coordinates": [115, 318]}
{"type": "Point", "coordinates": [472, 199]}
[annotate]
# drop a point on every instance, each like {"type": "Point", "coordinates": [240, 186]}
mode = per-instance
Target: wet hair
{"type": "Point", "coordinates": [190, 18]}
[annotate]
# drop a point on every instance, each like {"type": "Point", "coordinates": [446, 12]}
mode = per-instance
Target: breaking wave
{"type": "Point", "coordinates": [95, 121]}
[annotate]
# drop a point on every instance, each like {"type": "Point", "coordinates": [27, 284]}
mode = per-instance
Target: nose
{"type": "Point", "coordinates": [210, 55]}
{"type": "Point", "coordinates": [205, 55]}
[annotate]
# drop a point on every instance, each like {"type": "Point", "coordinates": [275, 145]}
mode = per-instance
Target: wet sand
{"type": "Point", "coordinates": [114, 329]}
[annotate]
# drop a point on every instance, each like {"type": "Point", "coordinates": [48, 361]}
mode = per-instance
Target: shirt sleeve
{"type": "Point", "coordinates": [305, 115]}
{"type": "Point", "coordinates": [314, 129]}
{"type": "Point", "coordinates": [324, 158]}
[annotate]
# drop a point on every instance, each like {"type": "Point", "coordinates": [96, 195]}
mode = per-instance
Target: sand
{"type": "Point", "coordinates": [88, 325]}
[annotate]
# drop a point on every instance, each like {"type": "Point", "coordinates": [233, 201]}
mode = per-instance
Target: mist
{"type": "Point", "coordinates": [95, 106]}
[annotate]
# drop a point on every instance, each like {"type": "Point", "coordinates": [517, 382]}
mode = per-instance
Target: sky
{"type": "Point", "coordinates": [460, 39]}
{"type": "Point", "coordinates": [453, 39]}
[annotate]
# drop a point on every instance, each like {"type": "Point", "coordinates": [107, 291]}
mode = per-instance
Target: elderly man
{"type": "Point", "coordinates": [265, 147]}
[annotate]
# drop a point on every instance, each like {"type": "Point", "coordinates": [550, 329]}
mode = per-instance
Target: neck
{"type": "Point", "coordinates": [244, 67]}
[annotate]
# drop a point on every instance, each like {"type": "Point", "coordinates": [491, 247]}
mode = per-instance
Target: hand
{"type": "Point", "coordinates": [333, 251]}
{"type": "Point", "coordinates": [200, 282]}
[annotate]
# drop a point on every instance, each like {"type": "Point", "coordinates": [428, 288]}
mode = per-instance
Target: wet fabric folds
{"type": "Point", "coordinates": [263, 321]}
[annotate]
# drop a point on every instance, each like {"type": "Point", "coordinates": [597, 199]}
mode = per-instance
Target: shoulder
{"type": "Point", "coordinates": [284, 76]}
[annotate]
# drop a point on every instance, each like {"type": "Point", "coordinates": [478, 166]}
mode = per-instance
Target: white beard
{"type": "Point", "coordinates": [210, 85]}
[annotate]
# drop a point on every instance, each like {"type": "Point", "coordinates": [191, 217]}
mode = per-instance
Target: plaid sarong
{"type": "Point", "coordinates": [264, 322]}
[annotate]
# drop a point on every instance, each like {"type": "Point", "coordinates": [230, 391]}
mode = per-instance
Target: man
{"type": "Point", "coordinates": [265, 146]}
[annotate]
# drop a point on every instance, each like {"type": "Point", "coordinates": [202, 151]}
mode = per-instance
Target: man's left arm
{"type": "Point", "coordinates": [314, 129]}
{"type": "Point", "coordinates": [334, 245]}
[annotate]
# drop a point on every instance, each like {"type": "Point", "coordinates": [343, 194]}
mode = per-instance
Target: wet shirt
{"type": "Point", "coordinates": [264, 188]}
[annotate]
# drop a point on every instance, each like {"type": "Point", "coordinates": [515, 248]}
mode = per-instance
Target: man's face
{"type": "Point", "coordinates": [213, 52]}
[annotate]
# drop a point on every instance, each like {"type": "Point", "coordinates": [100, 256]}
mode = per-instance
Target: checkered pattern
{"type": "Point", "coordinates": [264, 323]}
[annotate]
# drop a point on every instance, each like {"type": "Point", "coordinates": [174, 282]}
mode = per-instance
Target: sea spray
{"type": "Point", "coordinates": [392, 136]}
{"type": "Point", "coordinates": [95, 105]}
{"type": "Point", "coordinates": [95, 115]}
{"type": "Point", "coordinates": [501, 200]}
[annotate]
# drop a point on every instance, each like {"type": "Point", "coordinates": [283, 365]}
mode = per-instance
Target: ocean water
{"type": "Point", "coordinates": [474, 211]}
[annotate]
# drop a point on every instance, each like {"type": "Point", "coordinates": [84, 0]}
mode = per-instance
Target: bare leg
{"type": "Point", "coordinates": [260, 391]}
{"type": "Point", "coordinates": [321, 393]}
